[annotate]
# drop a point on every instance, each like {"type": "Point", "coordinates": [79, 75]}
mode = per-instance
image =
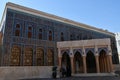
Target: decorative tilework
{"type": "Point", "coordinates": [78, 50]}
{"type": "Point", "coordinates": [89, 49]}
{"type": "Point", "coordinates": [103, 48]}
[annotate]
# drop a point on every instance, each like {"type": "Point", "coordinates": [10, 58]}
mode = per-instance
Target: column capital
{"type": "Point", "coordinates": [97, 64]}
{"type": "Point", "coordinates": [83, 50]}
{"type": "Point", "coordinates": [59, 52]}
{"type": "Point", "coordinates": [109, 52]}
{"type": "Point", "coordinates": [97, 54]}
{"type": "Point", "coordinates": [71, 52]}
{"type": "Point", "coordinates": [84, 55]}
{"type": "Point", "coordinates": [84, 64]}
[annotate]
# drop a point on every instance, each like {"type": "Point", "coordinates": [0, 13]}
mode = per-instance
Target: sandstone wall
{"type": "Point", "coordinates": [13, 73]}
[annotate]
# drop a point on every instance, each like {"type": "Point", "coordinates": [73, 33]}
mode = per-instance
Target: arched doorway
{"type": "Point", "coordinates": [28, 57]}
{"type": "Point", "coordinates": [91, 63]}
{"type": "Point", "coordinates": [40, 57]}
{"type": "Point", "coordinates": [78, 62]}
{"type": "Point", "coordinates": [15, 56]}
{"type": "Point", "coordinates": [50, 57]}
{"type": "Point", "coordinates": [103, 61]}
{"type": "Point", "coordinates": [66, 63]}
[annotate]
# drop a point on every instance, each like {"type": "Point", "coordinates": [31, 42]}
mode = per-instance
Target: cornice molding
{"type": "Point", "coordinates": [54, 17]}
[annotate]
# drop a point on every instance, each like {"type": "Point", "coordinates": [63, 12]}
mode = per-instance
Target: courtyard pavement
{"type": "Point", "coordinates": [80, 78]}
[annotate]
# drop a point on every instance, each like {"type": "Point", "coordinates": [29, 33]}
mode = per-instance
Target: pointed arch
{"type": "Point", "coordinates": [91, 63]}
{"type": "Point", "coordinates": [15, 56]}
{"type": "Point", "coordinates": [50, 57]}
{"type": "Point", "coordinates": [28, 57]}
{"type": "Point", "coordinates": [103, 61]}
{"type": "Point", "coordinates": [66, 63]}
{"type": "Point", "coordinates": [78, 62]}
{"type": "Point", "coordinates": [39, 57]}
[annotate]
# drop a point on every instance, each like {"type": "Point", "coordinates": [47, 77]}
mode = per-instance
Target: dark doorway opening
{"type": "Point", "coordinates": [78, 63]}
{"type": "Point", "coordinates": [66, 63]}
{"type": "Point", "coordinates": [91, 63]}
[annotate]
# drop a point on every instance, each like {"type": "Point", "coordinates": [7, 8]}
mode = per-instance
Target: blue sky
{"type": "Point", "coordinates": [103, 14]}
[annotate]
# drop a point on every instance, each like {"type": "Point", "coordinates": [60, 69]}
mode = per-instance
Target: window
{"type": "Point", "coordinates": [17, 30]}
{"type": "Point", "coordinates": [62, 36]}
{"type": "Point", "coordinates": [50, 57]}
{"type": "Point", "coordinates": [40, 34]}
{"type": "Point", "coordinates": [15, 56]}
{"type": "Point", "coordinates": [40, 30]}
{"type": "Point", "coordinates": [50, 35]}
{"type": "Point", "coordinates": [29, 32]}
{"type": "Point", "coordinates": [29, 28]}
{"type": "Point", "coordinates": [71, 37]}
{"type": "Point", "coordinates": [40, 57]}
{"type": "Point", "coordinates": [29, 35]}
{"type": "Point", "coordinates": [28, 57]}
{"type": "Point", "coordinates": [17, 25]}
{"type": "Point", "coordinates": [78, 37]}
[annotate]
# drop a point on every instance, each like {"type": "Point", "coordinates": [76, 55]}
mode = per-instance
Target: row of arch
{"type": "Point", "coordinates": [28, 56]}
{"type": "Point", "coordinates": [18, 32]}
{"type": "Point", "coordinates": [90, 62]}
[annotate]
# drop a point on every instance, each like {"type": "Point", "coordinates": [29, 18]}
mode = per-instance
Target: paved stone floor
{"type": "Point", "coordinates": [80, 78]}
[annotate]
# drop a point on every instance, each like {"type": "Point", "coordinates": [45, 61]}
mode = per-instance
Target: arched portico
{"type": "Point", "coordinates": [86, 56]}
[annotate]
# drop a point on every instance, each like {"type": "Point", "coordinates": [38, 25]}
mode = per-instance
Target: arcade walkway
{"type": "Point", "coordinates": [85, 56]}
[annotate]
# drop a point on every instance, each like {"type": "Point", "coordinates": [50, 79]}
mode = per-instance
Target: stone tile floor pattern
{"type": "Point", "coordinates": [81, 78]}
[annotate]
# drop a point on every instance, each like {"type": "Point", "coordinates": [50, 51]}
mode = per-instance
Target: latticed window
{"type": "Point", "coordinates": [15, 56]}
{"type": "Point", "coordinates": [50, 57]}
{"type": "Point", "coordinates": [40, 57]}
{"type": "Point", "coordinates": [28, 57]}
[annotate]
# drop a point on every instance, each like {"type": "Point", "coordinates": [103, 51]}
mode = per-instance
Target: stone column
{"type": "Point", "coordinates": [111, 65]}
{"type": "Point", "coordinates": [106, 69]}
{"type": "Point", "coordinates": [84, 63]}
{"type": "Point", "coordinates": [102, 66]}
{"type": "Point", "coordinates": [84, 60]}
{"type": "Point", "coordinates": [105, 65]}
{"type": "Point", "coordinates": [71, 59]}
{"type": "Point", "coordinates": [108, 65]}
{"type": "Point", "coordinates": [59, 63]}
{"type": "Point", "coordinates": [97, 63]}
{"type": "Point", "coordinates": [110, 58]}
{"type": "Point", "coordinates": [59, 58]}
{"type": "Point", "coordinates": [72, 65]}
